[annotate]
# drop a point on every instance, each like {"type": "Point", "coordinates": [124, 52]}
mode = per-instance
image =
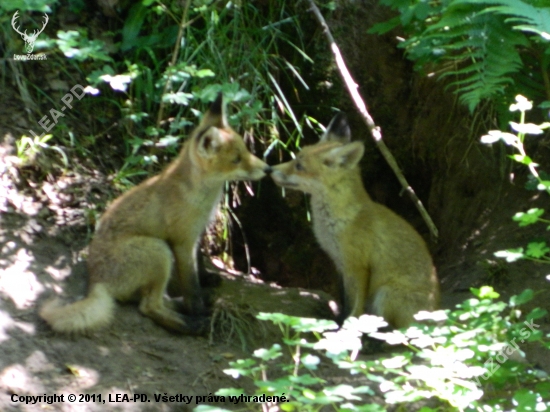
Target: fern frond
{"type": "Point", "coordinates": [530, 18]}
{"type": "Point", "coordinates": [482, 48]}
{"type": "Point", "coordinates": [478, 43]}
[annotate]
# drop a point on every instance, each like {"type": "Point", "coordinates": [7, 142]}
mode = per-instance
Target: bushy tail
{"type": "Point", "coordinates": [93, 312]}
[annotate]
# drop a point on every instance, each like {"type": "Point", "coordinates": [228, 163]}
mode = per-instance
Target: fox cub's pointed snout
{"type": "Point", "coordinates": [258, 168]}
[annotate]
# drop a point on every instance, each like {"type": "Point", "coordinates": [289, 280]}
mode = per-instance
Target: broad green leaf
{"type": "Point", "coordinates": [522, 298]}
{"type": "Point", "coordinates": [528, 218]}
{"type": "Point", "coordinates": [268, 354]}
{"type": "Point", "coordinates": [537, 249]}
{"type": "Point", "coordinates": [524, 159]}
{"type": "Point", "coordinates": [485, 292]}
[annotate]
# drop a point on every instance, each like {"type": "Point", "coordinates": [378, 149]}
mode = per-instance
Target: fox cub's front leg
{"type": "Point", "coordinates": [353, 290]}
{"type": "Point", "coordinates": [185, 282]}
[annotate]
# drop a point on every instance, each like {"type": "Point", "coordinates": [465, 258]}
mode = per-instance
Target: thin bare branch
{"type": "Point", "coordinates": [375, 131]}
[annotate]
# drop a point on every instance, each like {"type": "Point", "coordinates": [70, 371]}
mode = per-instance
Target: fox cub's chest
{"type": "Point", "coordinates": [328, 230]}
{"type": "Point", "coordinates": [188, 213]}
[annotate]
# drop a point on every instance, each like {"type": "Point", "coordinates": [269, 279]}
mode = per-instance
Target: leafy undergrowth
{"type": "Point", "coordinates": [469, 359]}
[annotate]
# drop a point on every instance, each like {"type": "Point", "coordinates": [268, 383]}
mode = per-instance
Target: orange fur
{"type": "Point", "coordinates": [385, 265]}
{"type": "Point", "coordinates": [147, 239]}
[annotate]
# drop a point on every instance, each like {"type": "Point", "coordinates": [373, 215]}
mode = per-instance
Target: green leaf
{"type": "Point", "coordinates": [310, 361]}
{"type": "Point", "coordinates": [346, 392]}
{"type": "Point", "coordinates": [168, 141]}
{"type": "Point", "coordinates": [305, 380]}
{"type": "Point", "coordinates": [526, 400]}
{"type": "Point", "coordinates": [132, 26]}
{"type": "Point", "coordinates": [528, 218]}
{"type": "Point", "coordinates": [537, 249]}
{"type": "Point", "coordinates": [288, 407]}
{"type": "Point", "coordinates": [527, 128]}
{"type": "Point", "coordinates": [524, 159]}
{"type": "Point", "coordinates": [76, 45]}
{"type": "Point", "coordinates": [204, 73]}
{"type": "Point", "coordinates": [532, 19]}
{"type": "Point", "coordinates": [242, 367]}
{"type": "Point", "coordinates": [299, 324]}
{"type": "Point", "coordinates": [496, 135]}
{"type": "Point", "coordinates": [511, 255]}
{"type": "Point", "coordinates": [523, 297]}
{"type": "Point", "coordinates": [492, 137]}
{"type": "Point", "coordinates": [536, 313]}
{"type": "Point", "coordinates": [269, 354]}
{"type": "Point", "coordinates": [543, 387]}
{"type": "Point", "coordinates": [522, 104]}
{"type": "Point", "coordinates": [180, 98]}
{"type": "Point", "coordinates": [384, 27]}
{"type": "Point", "coordinates": [485, 292]}
{"type": "Point", "coordinates": [396, 362]}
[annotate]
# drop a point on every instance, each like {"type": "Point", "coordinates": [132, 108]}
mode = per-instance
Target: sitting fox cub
{"type": "Point", "coordinates": [386, 267]}
{"type": "Point", "coordinates": [151, 233]}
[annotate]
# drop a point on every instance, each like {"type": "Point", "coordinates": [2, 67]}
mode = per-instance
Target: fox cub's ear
{"type": "Point", "coordinates": [209, 142]}
{"type": "Point", "coordinates": [346, 156]}
{"type": "Point", "coordinates": [337, 130]}
{"type": "Point", "coordinates": [215, 116]}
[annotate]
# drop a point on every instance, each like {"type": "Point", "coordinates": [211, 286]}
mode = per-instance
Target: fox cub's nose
{"type": "Point", "coordinates": [268, 170]}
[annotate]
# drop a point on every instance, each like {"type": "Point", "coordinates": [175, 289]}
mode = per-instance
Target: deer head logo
{"type": "Point", "coordinates": [29, 39]}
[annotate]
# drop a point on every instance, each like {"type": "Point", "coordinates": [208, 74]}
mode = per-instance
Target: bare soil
{"type": "Point", "coordinates": [133, 355]}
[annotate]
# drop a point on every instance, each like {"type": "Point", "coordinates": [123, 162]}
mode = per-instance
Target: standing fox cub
{"type": "Point", "coordinates": [386, 267]}
{"type": "Point", "coordinates": [149, 235]}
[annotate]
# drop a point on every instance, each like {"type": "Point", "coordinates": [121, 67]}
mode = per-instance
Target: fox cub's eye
{"type": "Point", "coordinates": [237, 159]}
{"type": "Point", "coordinates": [299, 166]}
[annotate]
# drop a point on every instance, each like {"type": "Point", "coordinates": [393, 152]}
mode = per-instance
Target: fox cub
{"type": "Point", "coordinates": [385, 265]}
{"type": "Point", "coordinates": [149, 235]}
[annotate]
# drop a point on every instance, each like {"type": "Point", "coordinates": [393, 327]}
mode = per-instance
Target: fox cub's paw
{"type": "Point", "coordinates": [196, 325]}
{"type": "Point", "coordinates": [196, 308]}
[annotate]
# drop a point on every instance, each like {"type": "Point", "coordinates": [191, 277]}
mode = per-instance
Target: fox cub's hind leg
{"type": "Point", "coordinates": [147, 265]}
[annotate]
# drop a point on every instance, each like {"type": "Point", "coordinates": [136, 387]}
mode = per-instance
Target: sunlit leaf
{"type": "Point", "coordinates": [537, 249]}
{"type": "Point", "coordinates": [529, 217]}
{"type": "Point", "coordinates": [511, 255]}
{"type": "Point", "coordinates": [527, 128]}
